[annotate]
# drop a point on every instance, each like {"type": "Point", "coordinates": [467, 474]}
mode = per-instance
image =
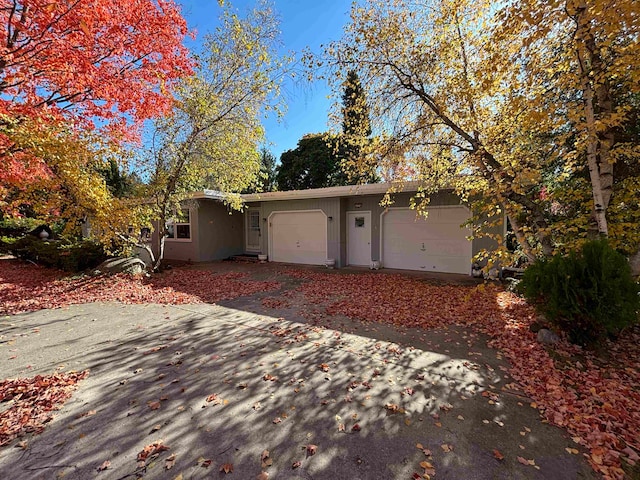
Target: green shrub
{"type": "Point", "coordinates": [17, 227]}
{"type": "Point", "coordinates": [588, 294]}
{"type": "Point", "coordinates": [71, 256]}
{"type": "Point", "coordinates": [6, 244]}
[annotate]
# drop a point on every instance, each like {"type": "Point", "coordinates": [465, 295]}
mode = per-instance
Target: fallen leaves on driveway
{"type": "Point", "coordinates": [597, 402]}
{"type": "Point", "coordinates": [26, 288]}
{"type": "Point", "coordinates": [33, 401]}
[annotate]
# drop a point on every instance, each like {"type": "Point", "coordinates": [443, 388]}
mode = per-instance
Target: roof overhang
{"type": "Point", "coordinates": [329, 192]}
{"type": "Point", "coordinates": [210, 194]}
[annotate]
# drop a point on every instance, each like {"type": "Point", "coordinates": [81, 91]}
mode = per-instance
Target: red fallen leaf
{"type": "Point", "coordinates": [428, 469]}
{"type": "Point", "coordinates": [155, 349]}
{"type": "Point", "coordinates": [324, 367]}
{"type": "Point", "coordinates": [151, 449]}
{"type": "Point", "coordinates": [106, 464]}
{"type": "Point", "coordinates": [416, 476]}
{"type": "Point", "coordinates": [33, 401]}
{"type": "Point", "coordinates": [212, 398]}
{"type": "Point", "coordinates": [498, 455]}
{"type": "Point", "coordinates": [295, 465]}
{"type": "Point", "coordinates": [597, 459]}
{"type": "Point", "coordinates": [392, 408]}
{"type": "Point", "coordinates": [226, 468]}
{"type": "Point", "coordinates": [408, 391]}
{"type": "Point", "coordinates": [631, 454]}
{"type": "Point", "coordinates": [154, 405]}
{"type": "Point", "coordinates": [311, 449]}
{"type": "Point", "coordinates": [265, 460]}
{"type": "Point", "coordinates": [355, 428]}
{"type": "Point", "coordinates": [262, 476]}
{"type": "Point", "coordinates": [524, 461]}
{"type": "Point", "coordinates": [206, 463]}
{"type": "Point", "coordinates": [269, 378]}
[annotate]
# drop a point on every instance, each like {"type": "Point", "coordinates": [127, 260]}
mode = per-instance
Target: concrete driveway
{"type": "Point", "coordinates": [220, 384]}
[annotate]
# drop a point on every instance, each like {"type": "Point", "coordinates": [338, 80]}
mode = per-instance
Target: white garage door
{"type": "Point", "coordinates": [298, 237]}
{"type": "Point", "coordinates": [434, 244]}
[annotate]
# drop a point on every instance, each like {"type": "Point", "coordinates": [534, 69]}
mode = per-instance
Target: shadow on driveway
{"type": "Point", "coordinates": [364, 394]}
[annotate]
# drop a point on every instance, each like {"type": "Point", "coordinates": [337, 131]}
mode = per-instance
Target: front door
{"type": "Point", "coordinates": [359, 238]}
{"type": "Point", "coordinates": [253, 230]}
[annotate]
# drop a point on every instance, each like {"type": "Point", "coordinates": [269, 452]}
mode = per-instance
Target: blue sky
{"type": "Point", "coordinates": [304, 23]}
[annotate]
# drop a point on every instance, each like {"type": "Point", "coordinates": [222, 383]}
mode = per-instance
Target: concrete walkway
{"type": "Point", "coordinates": [344, 405]}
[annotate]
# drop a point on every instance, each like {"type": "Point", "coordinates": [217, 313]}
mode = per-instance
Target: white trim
{"type": "Point", "coordinates": [248, 248]}
{"type": "Point", "coordinates": [385, 211]}
{"type": "Point", "coordinates": [270, 230]}
{"type": "Point", "coordinates": [342, 191]}
{"type": "Point", "coordinates": [348, 229]}
{"type": "Point", "coordinates": [182, 240]}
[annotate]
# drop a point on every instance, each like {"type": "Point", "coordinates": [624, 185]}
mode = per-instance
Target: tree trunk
{"type": "Point", "coordinates": [599, 206]}
{"type": "Point", "coordinates": [591, 68]}
{"type": "Point", "coordinates": [524, 243]}
{"type": "Point", "coordinates": [634, 263]}
{"type": "Point", "coordinates": [158, 264]}
{"type": "Point", "coordinates": [162, 234]}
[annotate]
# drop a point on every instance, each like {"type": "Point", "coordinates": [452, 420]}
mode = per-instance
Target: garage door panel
{"type": "Point", "coordinates": [299, 237]}
{"type": "Point", "coordinates": [436, 243]}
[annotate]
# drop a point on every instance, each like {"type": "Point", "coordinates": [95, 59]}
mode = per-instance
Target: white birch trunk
{"type": "Point", "coordinates": [599, 205]}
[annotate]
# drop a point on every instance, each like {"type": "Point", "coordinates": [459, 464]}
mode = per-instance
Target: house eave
{"type": "Point", "coordinates": [210, 195]}
{"type": "Point", "coordinates": [329, 192]}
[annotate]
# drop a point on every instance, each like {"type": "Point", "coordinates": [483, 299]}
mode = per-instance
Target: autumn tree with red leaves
{"type": "Point", "coordinates": [82, 66]}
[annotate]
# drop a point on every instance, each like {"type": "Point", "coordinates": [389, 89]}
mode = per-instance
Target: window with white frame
{"type": "Point", "coordinates": [179, 226]}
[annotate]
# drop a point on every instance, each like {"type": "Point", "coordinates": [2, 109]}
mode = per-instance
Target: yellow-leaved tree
{"type": "Point", "coordinates": [71, 188]}
{"type": "Point", "coordinates": [212, 137]}
{"type": "Point", "coordinates": [524, 109]}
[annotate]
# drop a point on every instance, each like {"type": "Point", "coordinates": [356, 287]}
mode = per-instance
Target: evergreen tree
{"type": "Point", "coordinates": [356, 133]}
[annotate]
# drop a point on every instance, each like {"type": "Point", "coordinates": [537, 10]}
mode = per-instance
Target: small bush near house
{"type": "Point", "coordinates": [588, 294]}
{"type": "Point", "coordinates": [6, 244]}
{"type": "Point", "coordinates": [71, 256]}
{"type": "Point", "coordinates": [17, 227]}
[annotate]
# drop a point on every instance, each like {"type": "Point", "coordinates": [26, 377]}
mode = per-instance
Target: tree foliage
{"type": "Point", "coordinates": [356, 132]}
{"type": "Point", "coordinates": [509, 105]}
{"type": "Point", "coordinates": [77, 81]}
{"type": "Point", "coordinates": [74, 189]}
{"type": "Point", "coordinates": [266, 181]}
{"type": "Point", "coordinates": [83, 61]}
{"type": "Point", "coordinates": [312, 164]}
{"type": "Point", "coordinates": [211, 138]}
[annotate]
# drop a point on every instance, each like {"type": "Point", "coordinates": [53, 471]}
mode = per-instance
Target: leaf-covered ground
{"type": "Point", "coordinates": [26, 288]}
{"type": "Point", "coordinates": [597, 400]}
{"type": "Point", "coordinates": [27, 404]}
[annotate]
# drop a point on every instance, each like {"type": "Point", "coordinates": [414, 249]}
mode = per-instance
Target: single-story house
{"type": "Point", "coordinates": [345, 224]}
